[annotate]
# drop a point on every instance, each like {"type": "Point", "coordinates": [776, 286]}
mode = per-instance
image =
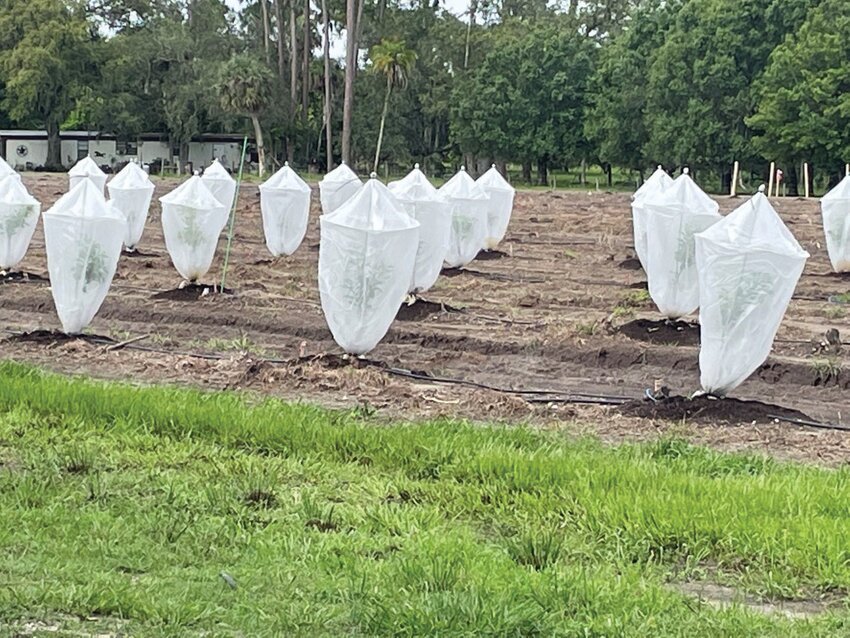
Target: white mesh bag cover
{"type": "Point", "coordinates": [501, 205]}
{"type": "Point", "coordinates": [469, 204]}
{"type": "Point", "coordinates": [83, 237]}
{"type": "Point", "coordinates": [6, 170]}
{"type": "Point", "coordinates": [748, 264]}
{"type": "Point", "coordinates": [422, 202]}
{"type": "Point", "coordinates": [130, 191]}
{"type": "Point", "coordinates": [220, 183]}
{"type": "Point", "coordinates": [18, 218]}
{"type": "Point", "coordinates": [337, 187]}
{"type": "Point", "coordinates": [366, 257]}
{"type": "Point", "coordinates": [835, 209]}
{"type": "Point", "coordinates": [285, 204]}
{"type": "Point", "coordinates": [656, 182]}
{"type": "Point", "coordinates": [192, 220]}
{"type": "Point", "coordinates": [673, 217]}
{"type": "Point", "coordinates": [87, 168]}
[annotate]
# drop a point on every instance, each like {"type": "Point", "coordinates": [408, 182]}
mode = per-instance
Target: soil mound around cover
{"type": "Point", "coordinates": [422, 309]}
{"type": "Point", "coordinates": [679, 333]}
{"type": "Point", "coordinates": [192, 292]}
{"type": "Point", "coordinates": [709, 410]}
{"type": "Point", "coordinates": [52, 337]}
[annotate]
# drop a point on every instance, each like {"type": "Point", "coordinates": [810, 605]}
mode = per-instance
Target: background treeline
{"type": "Point", "coordinates": [544, 86]}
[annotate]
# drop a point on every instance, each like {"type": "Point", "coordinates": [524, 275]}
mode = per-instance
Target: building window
{"type": "Point", "coordinates": [127, 148]}
{"type": "Point", "coordinates": [82, 149]}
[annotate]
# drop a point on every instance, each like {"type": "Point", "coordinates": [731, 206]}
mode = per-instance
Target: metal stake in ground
{"type": "Point", "coordinates": [233, 215]}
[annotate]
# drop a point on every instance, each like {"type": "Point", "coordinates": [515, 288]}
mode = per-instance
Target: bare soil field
{"type": "Point", "coordinates": [559, 312]}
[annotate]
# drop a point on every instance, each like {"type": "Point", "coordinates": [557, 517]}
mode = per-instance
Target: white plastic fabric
{"type": "Point", "coordinates": [6, 170]}
{"type": "Point", "coordinates": [501, 195]}
{"type": "Point", "coordinates": [337, 187]}
{"type": "Point", "coordinates": [422, 202]}
{"type": "Point", "coordinates": [469, 205]}
{"type": "Point", "coordinates": [192, 220]}
{"type": "Point", "coordinates": [285, 204]}
{"type": "Point", "coordinates": [220, 183]}
{"type": "Point", "coordinates": [18, 217]}
{"type": "Point", "coordinates": [835, 209]}
{"type": "Point", "coordinates": [83, 237]}
{"type": "Point", "coordinates": [366, 258]}
{"type": "Point", "coordinates": [656, 183]}
{"type": "Point", "coordinates": [130, 191]}
{"type": "Point", "coordinates": [673, 216]}
{"type": "Point", "coordinates": [749, 264]}
{"type": "Point", "coordinates": [87, 168]}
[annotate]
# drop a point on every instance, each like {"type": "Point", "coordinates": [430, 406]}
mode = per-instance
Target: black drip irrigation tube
{"type": "Point", "coordinates": [530, 396]}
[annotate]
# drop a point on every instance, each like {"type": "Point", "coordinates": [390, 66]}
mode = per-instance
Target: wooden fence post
{"type": "Point", "coordinates": [733, 191]}
{"type": "Point", "coordinates": [770, 178]}
{"type": "Point", "coordinates": [806, 179]}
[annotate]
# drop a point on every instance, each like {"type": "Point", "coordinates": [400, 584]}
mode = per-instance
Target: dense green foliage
{"type": "Point", "coordinates": [625, 84]}
{"type": "Point", "coordinates": [163, 512]}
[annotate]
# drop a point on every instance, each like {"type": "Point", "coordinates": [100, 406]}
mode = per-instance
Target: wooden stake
{"type": "Point", "coordinates": [806, 179]}
{"type": "Point", "coordinates": [770, 178]}
{"type": "Point", "coordinates": [846, 170]}
{"type": "Point", "coordinates": [733, 191]}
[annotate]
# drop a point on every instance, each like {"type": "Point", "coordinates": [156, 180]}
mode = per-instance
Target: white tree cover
{"type": "Point", "coordinates": [285, 204]}
{"type": "Point", "coordinates": [18, 218]}
{"type": "Point", "coordinates": [130, 191]}
{"type": "Point", "coordinates": [835, 209]}
{"type": "Point", "coordinates": [87, 168]}
{"type": "Point", "coordinates": [501, 195]}
{"type": "Point", "coordinates": [83, 237]}
{"type": "Point", "coordinates": [422, 202]}
{"type": "Point", "coordinates": [656, 182]}
{"type": "Point", "coordinates": [366, 259]}
{"type": "Point", "coordinates": [220, 183]}
{"type": "Point", "coordinates": [337, 187]}
{"type": "Point", "coordinates": [673, 216]}
{"type": "Point", "coordinates": [6, 170]}
{"type": "Point", "coordinates": [469, 204]}
{"type": "Point", "coordinates": [192, 220]}
{"type": "Point", "coordinates": [749, 264]}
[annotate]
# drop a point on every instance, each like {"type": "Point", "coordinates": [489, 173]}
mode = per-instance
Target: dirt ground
{"type": "Point", "coordinates": [561, 309]}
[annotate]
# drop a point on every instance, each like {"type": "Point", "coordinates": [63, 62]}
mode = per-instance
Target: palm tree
{"type": "Point", "coordinates": [244, 88]}
{"type": "Point", "coordinates": [392, 59]}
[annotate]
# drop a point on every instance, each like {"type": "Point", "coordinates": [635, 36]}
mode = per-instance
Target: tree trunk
{"type": "Point", "coordinates": [307, 54]}
{"type": "Point", "coordinates": [351, 10]}
{"type": "Point", "coordinates": [327, 55]}
{"type": "Point", "coordinates": [526, 172]}
{"type": "Point", "coordinates": [293, 61]}
{"type": "Point", "coordinates": [266, 35]}
{"type": "Point", "coordinates": [583, 171]}
{"type": "Point", "coordinates": [725, 180]}
{"type": "Point", "coordinates": [793, 181]}
{"type": "Point", "coordinates": [54, 146]}
{"type": "Point", "coordinates": [473, 5]}
{"type": "Point", "coordinates": [609, 174]}
{"type": "Point", "coordinates": [281, 41]}
{"type": "Point", "coordinates": [543, 172]}
{"type": "Point", "coordinates": [261, 151]}
{"type": "Point", "coordinates": [383, 121]}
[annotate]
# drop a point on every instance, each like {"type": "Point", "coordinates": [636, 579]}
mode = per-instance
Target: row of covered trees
{"type": "Point", "coordinates": [620, 83]}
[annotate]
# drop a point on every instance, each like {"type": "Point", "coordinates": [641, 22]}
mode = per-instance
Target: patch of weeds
{"type": "Point", "coordinates": [826, 370]}
{"type": "Point", "coordinates": [77, 461]}
{"type": "Point", "coordinates": [239, 344]}
{"type": "Point", "coordinates": [318, 517]}
{"type": "Point", "coordinates": [841, 298]}
{"type": "Point", "coordinates": [570, 254]}
{"type": "Point", "coordinates": [834, 312]}
{"type": "Point", "coordinates": [538, 549]}
{"type": "Point", "coordinates": [636, 299]}
{"type": "Point", "coordinates": [586, 329]}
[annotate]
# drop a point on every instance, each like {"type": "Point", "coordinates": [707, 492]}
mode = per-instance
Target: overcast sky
{"type": "Point", "coordinates": [457, 7]}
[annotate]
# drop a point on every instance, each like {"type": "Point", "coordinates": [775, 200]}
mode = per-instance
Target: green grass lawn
{"type": "Point", "coordinates": [166, 512]}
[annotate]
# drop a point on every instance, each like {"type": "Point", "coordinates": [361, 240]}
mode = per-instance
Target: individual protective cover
{"type": "Point", "coordinates": [657, 182]}
{"type": "Point", "coordinates": [192, 220]}
{"type": "Point", "coordinates": [366, 258]}
{"type": "Point", "coordinates": [748, 264]}
{"type": "Point", "coordinates": [501, 195]}
{"type": "Point", "coordinates": [673, 216]}
{"type": "Point", "coordinates": [835, 208]}
{"type": "Point", "coordinates": [130, 191]}
{"type": "Point", "coordinates": [18, 217]}
{"type": "Point", "coordinates": [337, 187]}
{"type": "Point", "coordinates": [285, 204]}
{"type": "Point", "coordinates": [83, 237]}
{"type": "Point", "coordinates": [6, 170]}
{"type": "Point", "coordinates": [422, 202]}
{"type": "Point", "coordinates": [87, 168]}
{"type": "Point", "coordinates": [469, 204]}
{"type": "Point", "coordinates": [220, 183]}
